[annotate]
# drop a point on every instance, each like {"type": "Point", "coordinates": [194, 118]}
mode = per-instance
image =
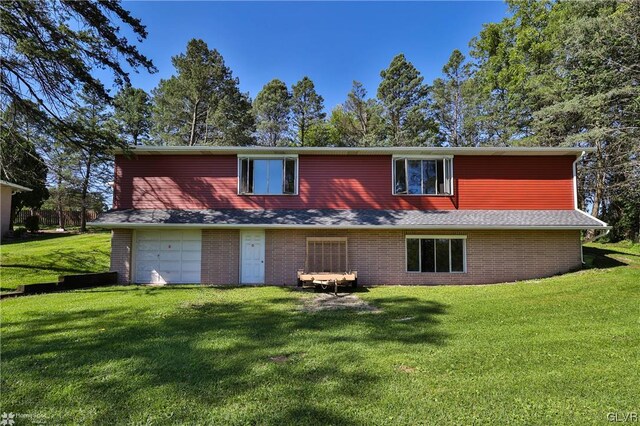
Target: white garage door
{"type": "Point", "coordinates": [164, 257]}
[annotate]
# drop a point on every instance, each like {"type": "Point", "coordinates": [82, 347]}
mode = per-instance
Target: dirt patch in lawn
{"type": "Point", "coordinates": [331, 302]}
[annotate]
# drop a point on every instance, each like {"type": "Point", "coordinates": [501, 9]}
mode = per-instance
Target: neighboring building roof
{"type": "Point", "coordinates": [234, 150]}
{"type": "Point", "coordinates": [404, 219]}
{"type": "Point", "coordinates": [14, 186]}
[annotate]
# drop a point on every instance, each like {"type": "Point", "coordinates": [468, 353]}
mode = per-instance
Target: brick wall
{"type": "Point", "coordinates": [379, 256]}
{"type": "Point", "coordinates": [121, 240]}
{"type": "Point", "coordinates": [220, 256]}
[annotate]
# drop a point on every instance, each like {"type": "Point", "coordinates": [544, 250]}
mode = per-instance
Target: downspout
{"type": "Point", "coordinates": [575, 180]}
{"type": "Point", "coordinates": [575, 199]}
{"type": "Point", "coordinates": [575, 196]}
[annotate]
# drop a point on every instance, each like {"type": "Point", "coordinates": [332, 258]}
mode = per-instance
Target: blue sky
{"type": "Point", "coordinates": [333, 43]}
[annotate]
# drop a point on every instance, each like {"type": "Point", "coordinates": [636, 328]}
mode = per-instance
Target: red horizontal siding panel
{"type": "Point", "coordinates": [345, 182]}
{"type": "Point", "coordinates": [514, 182]}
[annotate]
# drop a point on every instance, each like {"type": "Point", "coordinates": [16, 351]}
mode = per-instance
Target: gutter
{"type": "Point", "coordinates": [115, 225]}
{"type": "Point", "coordinates": [262, 150]}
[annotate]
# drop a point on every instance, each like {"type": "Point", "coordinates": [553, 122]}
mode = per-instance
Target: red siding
{"type": "Point", "coordinates": [346, 182]}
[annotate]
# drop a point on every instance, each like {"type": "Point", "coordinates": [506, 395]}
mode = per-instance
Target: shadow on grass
{"type": "Point", "coordinates": [65, 260]}
{"type": "Point", "coordinates": [602, 258]}
{"type": "Point", "coordinates": [215, 354]}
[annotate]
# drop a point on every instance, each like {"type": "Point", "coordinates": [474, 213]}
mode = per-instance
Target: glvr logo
{"type": "Point", "coordinates": [630, 416]}
{"type": "Point", "coordinates": [8, 419]}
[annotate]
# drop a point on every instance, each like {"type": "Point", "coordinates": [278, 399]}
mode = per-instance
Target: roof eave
{"type": "Point", "coordinates": [235, 150]}
{"type": "Point", "coordinates": [289, 226]}
{"type": "Point", "coordinates": [15, 186]}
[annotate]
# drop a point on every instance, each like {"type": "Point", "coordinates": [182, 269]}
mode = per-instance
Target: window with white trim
{"type": "Point", "coordinates": [423, 176]}
{"type": "Point", "coordinates": [268, 176]}
{"type": "Point", "coordinates": [436, 253]}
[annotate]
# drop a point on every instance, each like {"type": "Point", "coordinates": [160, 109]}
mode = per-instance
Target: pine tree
{"type": "Point", "coordinates": [358, 121]}
{"type": "Point", "coordinates": [201, 104]}
{"type": "Point", "coordinates": [132, 114]}
{"type": "Point", "coordinates": [93, 168]}
{"type": "Point", "coordinates": [49, 50]}
{"type": "Point", "coordinates": [307, 108]}
{"type": "Point", "coordinates": [272, 110]}
{"type": "Point", "coordinates": [451, 102]}
{"type": "Point", "coordinates": [405, 99]}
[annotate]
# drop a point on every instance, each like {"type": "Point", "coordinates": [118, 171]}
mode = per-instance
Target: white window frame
{"type": "Point", "coordinates": [268, 157]}
{"type": "Point", "coordinates": [421, 157]}
{"type": "Point", "coordinates": [435, 237]}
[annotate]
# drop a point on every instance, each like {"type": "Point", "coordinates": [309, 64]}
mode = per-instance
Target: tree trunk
{"type": "Point", "coordinates": [206, 127]}
{"type": "Point", "coordinates": [395, 124]}
{"type": "Point", "coordinates": [59, 204]}
{"type": "Point", "coordinates": [598, 190]}
{"type": "Point", "coordinates": [194, 116]}
{"type": "Point", "coordinates": [12, 216]}
{"type": "Point", "coordinates": [303, 124]}
{"type": "Point", "coordinates": [85, 190]}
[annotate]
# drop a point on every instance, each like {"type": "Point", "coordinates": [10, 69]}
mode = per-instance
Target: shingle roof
{"type": "Point", "coordinates": [443, 219]}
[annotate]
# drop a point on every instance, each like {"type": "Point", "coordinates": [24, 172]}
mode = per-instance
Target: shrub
{"type": "Point", "coordinates": [32, 223]}
{"type": "Point", "coordinates": [19, 232]}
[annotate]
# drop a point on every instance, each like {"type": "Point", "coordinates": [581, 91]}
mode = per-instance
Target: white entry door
{"type": "Point", "coordinates": [252, 257]}
{"type": "Point", "coordinates": [164, 257]}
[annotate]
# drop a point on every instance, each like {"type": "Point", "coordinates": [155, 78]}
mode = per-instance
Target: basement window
{"type": "Point", "coordinates": [436, 253]}
{"type": "Point", "coordinates": [326, 254]}
{"type": "Point", "coordinates": [423, 176]}
{"type": "Point", "coordinates": [268, 176]}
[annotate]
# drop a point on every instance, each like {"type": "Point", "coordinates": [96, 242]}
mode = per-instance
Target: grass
{"type": "Point", "coordinates": [45, 257]}
{"type": "Point", "coordinates": [553, 351]}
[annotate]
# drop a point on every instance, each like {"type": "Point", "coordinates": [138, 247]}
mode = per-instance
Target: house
{"type": "Point", "coordinates": [7, 189]}
{"type": "Point", "coordinates": [257, 215]}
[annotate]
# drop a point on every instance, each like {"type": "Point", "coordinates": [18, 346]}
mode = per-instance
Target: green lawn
{"type": "Point", "coordinates": [553, 351]}
{"type": "Point", "coordinates": [45, 257]}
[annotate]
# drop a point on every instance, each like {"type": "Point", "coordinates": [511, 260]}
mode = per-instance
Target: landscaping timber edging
{"type": "Point", "coordinates": [66, 282]}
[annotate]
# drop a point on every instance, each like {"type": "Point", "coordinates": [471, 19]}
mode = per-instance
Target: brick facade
{"type": "Point", "coordinates": [220, 256]}
{"type": "Point", "coordinates": [379, 255]}
{"type": "Point", "coordinates": [121, 242]}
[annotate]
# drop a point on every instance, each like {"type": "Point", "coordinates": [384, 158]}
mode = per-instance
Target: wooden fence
{"type": "Point", "coordinates": [50, 217]}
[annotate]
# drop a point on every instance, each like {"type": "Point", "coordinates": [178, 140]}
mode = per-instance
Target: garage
{"type": "Point", "coordinates": [167, 257]}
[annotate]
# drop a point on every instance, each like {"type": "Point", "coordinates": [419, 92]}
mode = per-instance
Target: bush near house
{"type": "Point", "coordinates": [32, 223]}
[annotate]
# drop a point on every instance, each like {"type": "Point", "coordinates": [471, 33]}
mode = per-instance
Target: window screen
{"type": "Point", "coordinates": [266, 176]}
{"type": "Point", "coordinates": [422, 177]}
{"type": "Point", "coordinates": [327, 255]}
